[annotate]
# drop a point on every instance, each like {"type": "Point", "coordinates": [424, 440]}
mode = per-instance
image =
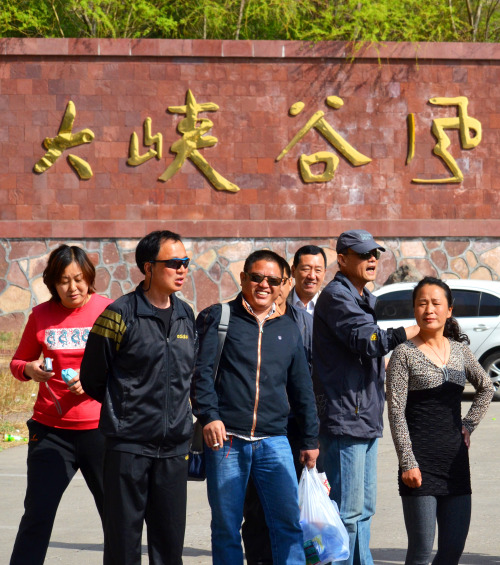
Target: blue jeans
{"type": "Point", "coordinates": [351, 467]}
{"type": "Point", "coordinates": [270, 464]}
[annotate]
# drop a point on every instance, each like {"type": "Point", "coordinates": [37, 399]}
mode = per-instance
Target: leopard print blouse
{"type": "Point", "coordinates": [410, 369]}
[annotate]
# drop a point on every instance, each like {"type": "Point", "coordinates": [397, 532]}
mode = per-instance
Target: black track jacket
{"type": "Point", "coordinates": [141, 376]}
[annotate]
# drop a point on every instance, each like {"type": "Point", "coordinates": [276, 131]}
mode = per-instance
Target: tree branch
{"type": "Point", "coordinates": [240, 18]}
{"type": "Point", "coordinates": [52, 3]}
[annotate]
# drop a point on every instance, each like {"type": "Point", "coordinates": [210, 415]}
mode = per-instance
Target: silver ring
{"type": "Point", "coordinates": [215, 445]}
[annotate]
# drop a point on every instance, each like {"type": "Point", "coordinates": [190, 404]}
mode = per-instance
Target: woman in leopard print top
{"type": "Point", "coordinates": [425, 381]}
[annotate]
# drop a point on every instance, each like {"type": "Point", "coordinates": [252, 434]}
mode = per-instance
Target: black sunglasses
{"type": "Point", "coordinates": [174, 263]}
{"type": "Point", "coordinates": [373, 253]}
{"type": "Point", "coordinates": [258, 278]}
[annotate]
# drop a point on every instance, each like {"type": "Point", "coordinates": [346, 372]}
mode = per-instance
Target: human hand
{"type": "Point", "coordinates": [74, 385]}
{"type": "Point", "coordinates": [214, 434]}
{"type": "Point", "coordinates": [308, 457]}
{"type": "Point", "coordinates": [412, 478]}
{"type": "Point", "coordinates": [34, 371]}
{"type": "Point", "coordinates": [466, 434]}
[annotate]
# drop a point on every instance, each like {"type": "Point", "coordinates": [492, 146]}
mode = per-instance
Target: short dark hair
{"type": "Point", "coordinates": [287, 272]}
{"type": "Point", "coordinates": [308, 250]}
{"type": "Point", "coordinates": [148, 248]}
{"type": "Point", "coordinates": [263, 255]}
{"type": "Point", "coordinates": [59, 259]}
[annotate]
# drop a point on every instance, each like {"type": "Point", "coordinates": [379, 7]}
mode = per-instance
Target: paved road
{"type": "Point", "coordinates": [77, 536]}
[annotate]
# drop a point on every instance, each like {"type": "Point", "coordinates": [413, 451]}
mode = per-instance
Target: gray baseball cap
{"type": "Point", "coordinates": [359, 241]}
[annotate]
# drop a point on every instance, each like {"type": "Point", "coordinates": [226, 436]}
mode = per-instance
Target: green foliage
{"type": "Point", "coordinates": [124, 18]}
{"type": "Point", "coordinates": [84, 18]}
{"type": "Point", "coordinates": [27, 18]}
{"type": "Point", "coordinates": [482, 17]}
{"type": "Point", "coordinates": [314, 20]}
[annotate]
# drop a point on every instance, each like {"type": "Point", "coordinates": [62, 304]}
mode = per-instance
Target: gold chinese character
{"type": "Point", "coordinates": [465, 124]}
{"type": "Point", "coordinates": [65, 140]}
{"type": "Point", "coordinates": [134, 158]}
{"type": "Point", "coordinates": [330, 160]}
{"type": "Point", "coordinates": [193, 130]}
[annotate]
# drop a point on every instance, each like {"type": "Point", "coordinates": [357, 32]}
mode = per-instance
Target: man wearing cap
{"type": "Point", "coordinates": [348, 374]}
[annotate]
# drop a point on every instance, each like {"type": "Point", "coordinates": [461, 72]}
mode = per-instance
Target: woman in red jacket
{"type": "Point", "coordinates": [63, 434]}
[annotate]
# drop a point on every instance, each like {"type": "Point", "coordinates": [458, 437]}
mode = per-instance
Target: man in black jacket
{"type": "Point", "coordinates": [262, 371]}
{"type": "Point", "coordinates": [138, 362]}
{"type": "Point", "coordinates": [254, 530]}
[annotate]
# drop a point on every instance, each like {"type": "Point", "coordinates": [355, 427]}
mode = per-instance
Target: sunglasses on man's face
{"type": "Point", "coordinates": [174, 263]}
{"type": "Point", "coordinates": [369, 254]}
{"type": "Point", "coordinates": [258, 278]}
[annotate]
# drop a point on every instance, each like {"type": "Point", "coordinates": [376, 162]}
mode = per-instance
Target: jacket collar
{"type": "Point", "coordinates": [145, 308]}
{"type": "Point", "coordinates": [367, 295]}
{"type": "Point", "coordinates": [240, 300]}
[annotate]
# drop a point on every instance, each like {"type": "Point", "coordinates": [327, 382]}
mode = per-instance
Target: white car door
{"type": "Point", "coordinates": [478, 316]}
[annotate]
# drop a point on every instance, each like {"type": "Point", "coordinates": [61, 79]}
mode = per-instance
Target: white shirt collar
{"type": "Point", "coordinates": [297, 302]}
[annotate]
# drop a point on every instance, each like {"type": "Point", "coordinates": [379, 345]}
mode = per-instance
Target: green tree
{"type": "Point", "coordinates": [483, 17]}
{"type": "Point", "coordinates": [314, 20]}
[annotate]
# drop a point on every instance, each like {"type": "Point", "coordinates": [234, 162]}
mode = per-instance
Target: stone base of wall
{"type": "Point", "coordinates": [216, 265]}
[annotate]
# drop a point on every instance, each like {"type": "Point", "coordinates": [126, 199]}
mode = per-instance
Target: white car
{"type": "Point", "coordinates": [476, 307]}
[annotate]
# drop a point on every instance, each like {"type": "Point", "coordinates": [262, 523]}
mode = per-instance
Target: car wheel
{"type": "Point", "coordinates": [492, 366]}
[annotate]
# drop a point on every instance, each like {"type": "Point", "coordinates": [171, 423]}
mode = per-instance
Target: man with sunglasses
{"type": "Point", "coordinates": [254, 530]}
{"type": "Point", "coordinates": [348, 374]}
{"type": "Point", "coordinates": [262, 372]}
{"type": "Point", "coordinates": [138, 362]}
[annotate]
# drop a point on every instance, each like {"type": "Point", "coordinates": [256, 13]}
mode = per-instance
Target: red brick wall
{"type": "Point", "coordinates": [115, 85]}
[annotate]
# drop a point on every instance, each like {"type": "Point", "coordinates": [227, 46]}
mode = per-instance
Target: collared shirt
{"type": "Point", "coordinates": [297, 302]}
{"type": "Point", "coordinates": [268, 315]}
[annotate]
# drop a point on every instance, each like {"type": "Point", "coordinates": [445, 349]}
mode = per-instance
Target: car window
{"type": "Point", "coordinates": [489, 305]}
{"type": "Point", "coordinates": [394, 306]}
{"type": "Point", "coordinates": [465, 303]}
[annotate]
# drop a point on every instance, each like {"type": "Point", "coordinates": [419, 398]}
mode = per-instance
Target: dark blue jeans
{"type": "Point", "coordinates": [452, 514]}
{"type": "Point", "coordinates": [269, 462]}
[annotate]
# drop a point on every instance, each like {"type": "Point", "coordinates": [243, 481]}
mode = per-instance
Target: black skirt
{"type": "Point", "coordinates": [435, 425]}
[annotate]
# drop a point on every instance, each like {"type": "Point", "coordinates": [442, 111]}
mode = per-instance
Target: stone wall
{"type": "Point", "coordinates": [216, 264]}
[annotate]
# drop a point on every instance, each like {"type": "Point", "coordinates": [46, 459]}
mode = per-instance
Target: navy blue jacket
{"type": "Point", "coordinates": [348, 366]}
{"type": "Point", "coordinates": [305, 322]}
{"type": "Point", "coordinates": [261, 374]}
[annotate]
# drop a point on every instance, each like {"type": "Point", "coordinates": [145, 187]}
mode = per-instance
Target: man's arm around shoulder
{"type": "Point", "coordinates": [353, 326]}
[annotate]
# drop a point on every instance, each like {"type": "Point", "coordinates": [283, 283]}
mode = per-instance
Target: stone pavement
{"type": "Point", "coordinates": [77, 535]}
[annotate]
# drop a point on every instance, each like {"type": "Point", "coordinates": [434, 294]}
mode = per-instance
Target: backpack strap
{"type": "Point", "coordinates": [222, 333]}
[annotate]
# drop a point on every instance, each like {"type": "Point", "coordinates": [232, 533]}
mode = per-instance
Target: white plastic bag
{"type": "Point", "coordinates": [325, 536]}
